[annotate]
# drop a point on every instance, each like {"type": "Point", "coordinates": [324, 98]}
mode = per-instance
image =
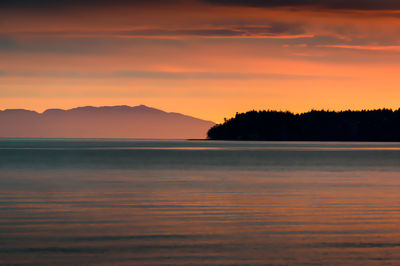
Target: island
{"type": "Point", "coordinates": [141, 122]}
{"type": "Point", "coordinates": [316, 125]}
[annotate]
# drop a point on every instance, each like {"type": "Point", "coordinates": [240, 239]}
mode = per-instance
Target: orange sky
{"type": "Point", "coordinates": [207, 58]}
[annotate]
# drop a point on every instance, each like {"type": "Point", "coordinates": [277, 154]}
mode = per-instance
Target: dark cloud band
{"type": "Point", "coordinates": [274, 30]}
{"type": "Point", "coordinates": [62, 4]}
{"type": "Point", "coordinates": [315, 4]}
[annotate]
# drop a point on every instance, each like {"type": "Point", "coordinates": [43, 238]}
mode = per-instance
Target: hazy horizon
{"type": "Point", "coordinates": [43, 110]}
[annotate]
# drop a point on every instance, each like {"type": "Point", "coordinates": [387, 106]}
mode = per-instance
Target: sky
{"type": "Point", "coordinates": [205, 58]}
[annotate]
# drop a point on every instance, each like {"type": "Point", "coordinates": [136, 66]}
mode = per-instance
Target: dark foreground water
{"type": "Point", "coordinates": [65, 202]}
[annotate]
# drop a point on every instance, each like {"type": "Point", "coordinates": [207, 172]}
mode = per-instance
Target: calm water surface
{"type": "Point", "coordinates": [145, 202]}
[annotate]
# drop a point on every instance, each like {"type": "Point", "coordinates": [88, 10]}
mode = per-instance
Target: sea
{"type": "Point", "coordinates": [194, 202]}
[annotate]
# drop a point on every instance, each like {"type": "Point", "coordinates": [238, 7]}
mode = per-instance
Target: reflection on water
{"type": "Point", "coordinates": [199, 202]}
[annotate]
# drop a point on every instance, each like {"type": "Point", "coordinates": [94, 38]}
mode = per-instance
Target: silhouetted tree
{"type": "Point", "coordinates": [365, 125]}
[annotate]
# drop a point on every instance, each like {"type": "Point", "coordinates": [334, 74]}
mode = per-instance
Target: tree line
{"type": "Point", "coordinates": [365, 125]}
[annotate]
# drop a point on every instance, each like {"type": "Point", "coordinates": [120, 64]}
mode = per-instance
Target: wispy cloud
{"type": "Point", "coordinates": [269, 31]}
{"type": "Point", "coordinates": [392, 48]}
{"type": "Point", "coordinates": [141, 74]}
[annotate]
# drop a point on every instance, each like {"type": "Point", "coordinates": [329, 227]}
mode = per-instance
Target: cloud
{"type": "Point", "coordinates": [273, 30]}
{"type": "Point", "coordinates": [318, 4]}
{"type": "Point", "coordinates": [226, 31]}
{"type": "Point", "coordinates": [57, 43]}
{"type": "Point", "coordinates": [315, 4]}
{"type": "Point", "coordinates": [6, 43]}
{"type": "Point", "coordinates": [72, 4]}
{"type": "Point", "coordinates": [48, 45]}
{"type": "Point", "coordinates": [143, 74]}
{"type": "Point", "coordinates": [391, 48]}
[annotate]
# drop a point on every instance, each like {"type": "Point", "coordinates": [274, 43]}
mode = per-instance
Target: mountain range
{"type": "Point", "coordinates": [101, 122]}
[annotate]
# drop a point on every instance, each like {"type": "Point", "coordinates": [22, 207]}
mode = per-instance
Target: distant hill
{"type": "Point", "coordinates": [374, 125]}
{"type": "Point", "coordinates": [101, 122]}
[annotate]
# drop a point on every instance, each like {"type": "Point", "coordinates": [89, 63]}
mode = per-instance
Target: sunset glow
{"type": "Point", "coordinates": [209, 58]}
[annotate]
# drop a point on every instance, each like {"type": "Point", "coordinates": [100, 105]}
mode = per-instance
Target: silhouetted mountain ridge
{"type": "Point", "coordinates": [366, 125]}
{"type": "Point", "coordinates": [101, 122]}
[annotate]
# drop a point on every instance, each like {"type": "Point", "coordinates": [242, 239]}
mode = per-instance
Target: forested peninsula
{"type": "Point", "coordinates": [366, 125]}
